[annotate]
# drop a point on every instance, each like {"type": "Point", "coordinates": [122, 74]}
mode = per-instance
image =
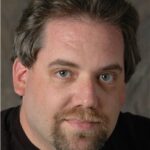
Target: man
{"type": "Point", "coordinates": [71, 63]}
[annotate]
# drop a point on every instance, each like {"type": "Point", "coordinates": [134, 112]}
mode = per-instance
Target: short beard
{"type": "Point", "coordinates": [82, 140]}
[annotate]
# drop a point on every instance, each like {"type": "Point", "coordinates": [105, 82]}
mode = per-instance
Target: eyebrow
{"type": "Point", "coordinates": [62, 62]}
{"type": "Point", "coordinates": [113, 67]}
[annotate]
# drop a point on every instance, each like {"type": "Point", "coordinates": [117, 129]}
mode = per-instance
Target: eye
{"type": "Point", "coordinates": [106, 77]}
{"type": "Point", "coordinates": [63, 74]}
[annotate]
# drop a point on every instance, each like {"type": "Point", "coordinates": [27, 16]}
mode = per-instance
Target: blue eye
{"type": "Point", "coordinates": [63, 74]}
{"type": "Point", "coordinates": [106, 77]}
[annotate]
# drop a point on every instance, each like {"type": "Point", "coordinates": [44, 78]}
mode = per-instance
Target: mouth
{"type": "Point", "coordinates": [82, 124]}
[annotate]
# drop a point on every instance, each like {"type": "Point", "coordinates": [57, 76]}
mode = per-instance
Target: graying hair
{"type": "Point", "coordinates": [121, 13]}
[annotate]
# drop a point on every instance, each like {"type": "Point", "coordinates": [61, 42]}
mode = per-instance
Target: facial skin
{"type": "Point", "coordinates": [73, 93]}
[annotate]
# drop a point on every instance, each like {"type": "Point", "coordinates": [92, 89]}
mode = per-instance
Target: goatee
{"type": "Point", "coordinates": [66, 139]}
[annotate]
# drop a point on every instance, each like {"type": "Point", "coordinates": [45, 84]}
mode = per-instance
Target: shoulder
{"type": "Point", "coordinates": [135, 123]}
{"type": "Point", "coordinates": [134, 130]}
{"type": "Point", "coordinates": [7, 118]}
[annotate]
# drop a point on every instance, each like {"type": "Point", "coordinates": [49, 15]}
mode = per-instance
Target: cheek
{"type": "Point", "coordinates": [122, 95]}
{"type": "Point", "coordinates": [48, 99]}
{"type": "Point", "coordinates": [111, 108]}
{"type": "Point", "coordinates": [45, 96]}
{"type": "Point", "coordinates": [122, 99]}
{"type": "Point", "coordinates": [113, 102]}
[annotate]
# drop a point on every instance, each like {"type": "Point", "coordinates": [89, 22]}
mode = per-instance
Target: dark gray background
{"type": "Point", "coordinates": [138, 90]}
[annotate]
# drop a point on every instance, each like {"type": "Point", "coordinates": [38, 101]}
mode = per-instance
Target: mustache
{"type": "Point", "coordinates": [81, 114]}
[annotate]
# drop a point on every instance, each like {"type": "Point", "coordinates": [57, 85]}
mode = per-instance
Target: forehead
{"type": "Point", "coordinates": [80, 26]}
{"type": "Point", "coordinates": [82, 39]}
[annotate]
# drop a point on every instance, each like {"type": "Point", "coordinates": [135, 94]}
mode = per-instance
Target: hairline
{"type": "Point", "coordinates": [83, 17]}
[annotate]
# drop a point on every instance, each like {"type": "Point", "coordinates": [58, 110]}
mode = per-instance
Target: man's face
{"type": "Point", "coordinates": [73, 93]}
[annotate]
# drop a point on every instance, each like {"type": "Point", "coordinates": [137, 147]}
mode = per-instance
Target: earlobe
{"type": "Point", "coordinates": [20, 73]}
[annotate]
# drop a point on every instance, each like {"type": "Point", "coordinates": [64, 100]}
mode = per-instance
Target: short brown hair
{"type": "Point", "coordinates": [117, 12]}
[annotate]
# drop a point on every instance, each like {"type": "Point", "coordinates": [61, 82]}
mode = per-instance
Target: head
{"type": "Point", "coordinates": [71, 62]}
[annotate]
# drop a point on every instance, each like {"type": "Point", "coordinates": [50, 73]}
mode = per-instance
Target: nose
{"type": "Point", "coordinates": [86, 94]}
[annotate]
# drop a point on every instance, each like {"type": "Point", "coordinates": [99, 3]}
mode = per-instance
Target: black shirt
{"type": "Point", "coordinates": [131, 133]}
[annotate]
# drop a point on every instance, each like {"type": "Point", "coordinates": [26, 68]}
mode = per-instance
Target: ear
{"type": "Point", "coordinates": [20, 73]}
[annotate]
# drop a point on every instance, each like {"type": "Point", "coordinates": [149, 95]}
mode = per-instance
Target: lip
{"type": "Point", "coordinates": [82, 125]}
